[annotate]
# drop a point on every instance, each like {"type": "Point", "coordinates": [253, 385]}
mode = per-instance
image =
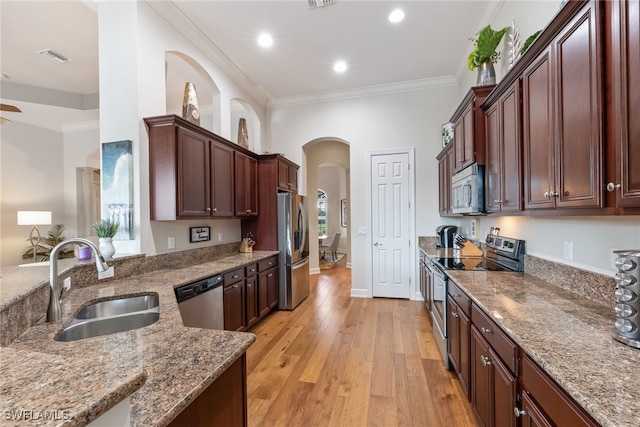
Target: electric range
{"type": "Point", "coordinates": [501, 254]}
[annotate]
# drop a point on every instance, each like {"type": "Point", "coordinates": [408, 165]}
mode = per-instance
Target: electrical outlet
{"type": "Point", "coordinates": [474, 228]}
{"type": "Point", "coordinates": [220, 237]}
{"type": "Point", "coordinates": [106, 274]}
{"type": "Point", "coordinates": [613, 258]}
{"type": "Point", "coordinates": [171, 242]}
{"type": "Point", "coordinates": [568, 251]}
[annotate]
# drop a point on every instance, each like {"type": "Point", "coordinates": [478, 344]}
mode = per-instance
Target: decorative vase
{"type": "Point", "coordinates": [106, 247]}
{"type": "Point", "coordinates": [190, 108]}
{"type": "Point", "coordinates": [486, 73]}
{"type": "Point", "coordinates": [243, 133]}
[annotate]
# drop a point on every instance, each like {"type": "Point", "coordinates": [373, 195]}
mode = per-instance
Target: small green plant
{"type": "Point", "coordinates": [46, 244]}
{"type": "Point", "coordinates": [528, 41]}
{"type": "Point", "coordinates": [486, 44]}
{"type": "Point", "coordinates": [106, 228]}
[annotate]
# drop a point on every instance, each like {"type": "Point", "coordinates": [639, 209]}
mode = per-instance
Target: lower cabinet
{"type": "Point", "coordinates": [251, 295]}
{"type": "Point", "coordinates": [223, 403]}
{"type": "Point", "coordinates": [234, 300]}
{"type": "Point", "coordinates": [459, 345]}
{"type": "Point", "coordinates": [268, 284]}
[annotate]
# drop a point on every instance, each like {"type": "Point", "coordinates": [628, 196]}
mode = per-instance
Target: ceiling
{"type": "Point", "coordinates": [432, 42]}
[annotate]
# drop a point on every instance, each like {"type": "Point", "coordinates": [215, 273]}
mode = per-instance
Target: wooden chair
{"type": "Point", "coordinates": [333, 247]}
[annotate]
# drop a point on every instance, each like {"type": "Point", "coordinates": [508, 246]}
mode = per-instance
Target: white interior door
{"type": "Point", "coordinates": [390, 218]}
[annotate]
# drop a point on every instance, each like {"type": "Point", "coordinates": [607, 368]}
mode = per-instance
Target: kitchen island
{"type": "Point", "coordinates": [163, 367]}
{"type": "Point", "coordinates": [567, 335]}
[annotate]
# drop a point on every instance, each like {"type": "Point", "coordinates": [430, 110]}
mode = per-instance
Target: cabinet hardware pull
{"type": "Point", "coordinates": [547, 195]}
{"type": "Point", "coordinates": [235, 286]}
{"type": "Point", "coordinates": [486, 330]}
{"type": "Point", "coordinates": [486, 361]}
{"type": "Point", "coordinates": [270, 275]}
{"type": "Point", "coordinates": [611, 186]}
{"type": "Point", "coordinates": [518, 412]}
{"type": "Point", "coordinates": [454, 314]}
{"type": "Point", "coordinates": [235, 276]}
{"type": "Point", "coordinates": [208, 209]}
{"type": "Point", "coordinates": [553, 194]}
{"type": "Point", "coordinates": [215, 209]}
{"type": "Point", "coordinates": [248, 210]}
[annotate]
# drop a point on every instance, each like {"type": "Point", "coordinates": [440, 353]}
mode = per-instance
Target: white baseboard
{"type": "Point", "coordinates": [360, 293]}
{"type": "Point", "coordinates": [315, 270]}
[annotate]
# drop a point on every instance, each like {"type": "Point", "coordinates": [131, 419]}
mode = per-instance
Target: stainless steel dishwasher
{"type": "Point", "coordinates": [201, 303]}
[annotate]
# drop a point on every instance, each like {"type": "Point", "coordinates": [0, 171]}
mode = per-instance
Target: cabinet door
{"type": "Point", "coordinates": [469, 137]}
{"type": "Point", "coordinates": [578, 63]}
{"type": "Point", "coordinates": [464, 372]}
{"type": "Point", "coordinates": [458, 145]}
{"type": "Point", "coordinates": [193, 175]}
{"type": "Point", "coordinates": [252, 189]}
{"type": "Point", "coordinates": [251, 301]}
{"type": "Point", "coordinates": [504, 393]}
{"type": "Point", "coordinates": [531, 415]}
{"type": "Point", "coordinates": [625, 69]}
{"type": "Point", "coordinates": [453, 323]}
{"type": "Point", "coordinates": [443, 204]}
{"type": "Point", "coordinates": [538, 133]}
{"type": "Point", "coordinates": [221, 180]}
{"type": "Point", "coordinates": [263, 293]}
{"type": "Point", "coordinates": [510, 152]}
{"type": "Point", "coordinates": [293, 179]}
{"type": "Point", "coordinates": [234, 307]}
{"type": "Point", "coordinates": [481, 379]}
{"type": "Point", "coordinates": [272, 287]}
{"type": "Point", "coordinates": [246, 182]}
{"type": "Point", "coordinates": [493, 169]}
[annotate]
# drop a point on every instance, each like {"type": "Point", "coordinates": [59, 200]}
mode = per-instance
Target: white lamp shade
{"type": "Point", "coordinates": [34, 218]}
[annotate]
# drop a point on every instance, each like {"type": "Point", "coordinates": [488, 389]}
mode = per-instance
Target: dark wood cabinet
{"type": "Point", "coordinates": [246, 184]}
{"type": "Point", "coordinates": [223, 403]}
{"type": "Point", "coordinates": [234, 300]}
{"type": "Point", "coordinates": [459, 324]}
{"type": "Point", "coordinates": [468, 129]}
{"type": "Point", "coordinates": [445, 171]}
{"type": "Point", "coordinates": [623, 131]}
{"type": "Point", "coordinates": [503, 158]}
{"type": "Point", "coordinates": [493, 386]}
{"type": "Point", "coordinates": [544, 402]}
{"type": "Point", "coordinates": [193, 173]}
{"type": "Point", "coordinates": [268, 285]}
{"type": "Point", "coordinates": [562, 118]}
{"type": "Point", "coordinates": [265, 227]}
{"type": "Point", "coordinates": [287, 175]}
{"type": "Point", "coordinates": [251, 295]}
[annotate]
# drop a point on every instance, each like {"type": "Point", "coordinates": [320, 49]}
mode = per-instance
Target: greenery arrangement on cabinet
{"type": "Point", "coordinates": [528, 42]}
{"type": "Point", "coordinates": [106, 228]}
{"type": "Point", "coordinates": [46, 244]}
{"type": "Point", "coordinates": [486, 44]}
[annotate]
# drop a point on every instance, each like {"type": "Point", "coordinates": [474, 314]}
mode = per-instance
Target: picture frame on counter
{"type": "Point", "coordinates": [199, 234]}
{"type": "Point", "coordinates": [447, 133]}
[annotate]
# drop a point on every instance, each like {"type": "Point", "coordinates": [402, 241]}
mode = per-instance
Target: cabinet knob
{"type": "Point", "coordinates": [547, 195]}
{"type": "Point", "coordinates": [248, 210]}
{"type": "Point", "coordinates": [208, 209]}
{"type": "Point", "coordinates": [486, 330]}
{"type": "Point", "coordinates": [454, 314]}
{"type": "Point", "coordinates": [235, 276]}
{"type": "Point", "coordinates": [486, 360]}
{"type": "Point", "coordinates": [518, 412]}
{"type": "Point", "coordinates": [553, 194]}
{"type": "Point", "coordinates": [611, 186]}
{"type": "Point", "coordinates": [235, 286]}
{"type": "Point", "coordinates": [215, 209]}
{"type": "Point", "coordinates": [270, 275]}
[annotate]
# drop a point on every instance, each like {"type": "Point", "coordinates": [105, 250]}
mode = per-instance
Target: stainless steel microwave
{"type": "Point", "coordinates": [467, 191]}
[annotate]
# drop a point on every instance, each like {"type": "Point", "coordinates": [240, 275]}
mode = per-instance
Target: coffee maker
{"type": "Point", "coordinates": [445, 235]}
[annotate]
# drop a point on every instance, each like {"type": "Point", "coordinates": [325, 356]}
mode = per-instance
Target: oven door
{"type": "Point", "coordinates": [439, 309]}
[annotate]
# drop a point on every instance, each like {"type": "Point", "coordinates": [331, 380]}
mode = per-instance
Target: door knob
{"type": "Point", "coordinates": [611, 186]}
{"type": "Point", "coordinates": [518, 412]}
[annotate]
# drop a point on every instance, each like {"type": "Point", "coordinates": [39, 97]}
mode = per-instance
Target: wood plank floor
{"type": "Point", "coordinates": [341, 361]}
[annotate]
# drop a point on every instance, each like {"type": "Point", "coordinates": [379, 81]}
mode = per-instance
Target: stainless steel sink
{"type": "Point", "coordinates": [110, 316]}
{"type": "Point", "coordinates": [116, 307]}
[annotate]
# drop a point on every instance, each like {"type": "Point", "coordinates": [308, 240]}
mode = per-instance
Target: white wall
{"type": "Point", "coordinates": [382, 121]}
{"type": "Point", "coordinates": [32, 179]}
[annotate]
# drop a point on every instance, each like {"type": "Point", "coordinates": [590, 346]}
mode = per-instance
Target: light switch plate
{"type": "Point", "coordinates": [362, 230]}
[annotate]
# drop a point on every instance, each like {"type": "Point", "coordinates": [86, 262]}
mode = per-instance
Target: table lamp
{"type": "Point", "coordinates": [34, 218]}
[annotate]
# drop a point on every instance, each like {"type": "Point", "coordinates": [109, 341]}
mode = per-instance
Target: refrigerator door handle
{"type": "Point", "coordinates": [300, 263]}
{"type": "Point", "coordinates": [302, 226]}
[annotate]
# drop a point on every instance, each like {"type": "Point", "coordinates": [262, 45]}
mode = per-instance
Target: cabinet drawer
{"type": "Point", "coordinates": [502, 344]}
{"type": "Point", "coordinates": [267, 264]}
{"type": "Point", "coordinates": [234, 276]}
{"type": "Point", "coordinates": [551, 398]}
{"type": "Point", "coordinates": [460, 297]}
{"type": "Point", "coordinates": [251, 270]}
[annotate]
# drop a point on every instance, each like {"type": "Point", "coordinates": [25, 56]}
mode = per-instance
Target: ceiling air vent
{"type": "Point", "coordinates": [54, 56]}
{"type": "Point", "coordinates": [319, 3]}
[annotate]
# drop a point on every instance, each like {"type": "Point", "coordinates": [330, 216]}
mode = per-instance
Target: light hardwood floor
{"type": "Point", "coordinates": [341, 361]}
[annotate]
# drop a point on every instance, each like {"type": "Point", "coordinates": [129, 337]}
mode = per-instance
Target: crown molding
{"type": "Point", "coordinates": [408, 86]}
{"type": "Point", "coordinates": [175, 18]}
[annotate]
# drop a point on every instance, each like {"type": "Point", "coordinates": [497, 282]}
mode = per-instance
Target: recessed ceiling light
{"type": "Point", "coordinates": [396, 16]}
{"type": "Point", "coordinates": [265, 40]}
{"type": "Point", "coordinates": [340, 67]}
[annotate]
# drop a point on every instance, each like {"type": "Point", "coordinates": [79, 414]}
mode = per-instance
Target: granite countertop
{"type": "Point", "coordinates": [568, 336]}
{"type": "Point", "coordinates": [163, 367]}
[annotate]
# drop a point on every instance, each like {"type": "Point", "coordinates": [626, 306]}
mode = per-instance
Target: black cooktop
{"type": "Point", "coordinates": [472, 264]}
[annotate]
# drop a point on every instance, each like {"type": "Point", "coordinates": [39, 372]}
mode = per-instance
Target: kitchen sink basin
{"type": "Point", "coordinates": [117, 307]}
{"type": "Point", "coordinates": [110, 316]}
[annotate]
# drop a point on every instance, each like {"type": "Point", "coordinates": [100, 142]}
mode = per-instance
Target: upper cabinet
{"type": "Point", "coordinates": [562, 118]}
{"type": "Point", "coordinates": [194, 173]}
{"type": "Point", "coordinates": [445, 170]}
{"type": "Point", "coordinates": [468, 129]}
{"type": "Point", "coordinates": [623, 69]}
{"type": "Point", "coordinates": [503, 160]}
{"type": "Point", "coordinates": [287, 175]}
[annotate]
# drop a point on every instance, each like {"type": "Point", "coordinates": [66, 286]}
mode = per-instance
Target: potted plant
{"type": "Point", "coordinates": [46, 244]}
{"type": "Point", "coordinates": [485, 55]}
{"type": "Point", "coordinates": [106, 230]}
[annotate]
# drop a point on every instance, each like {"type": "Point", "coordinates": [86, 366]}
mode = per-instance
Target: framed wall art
{"type": "Point", "coordinates": [117, 186]}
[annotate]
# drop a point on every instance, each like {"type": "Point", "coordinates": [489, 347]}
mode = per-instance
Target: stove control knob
{"type": "Point", "coordinates": [624, 310]}
{"type": "Point", "coordinates": [625, 264]}
{"type": "Point", "coordinates": [623, 279]}
{"type": "Point", "coordinates": [624, 325]}
{"type": "Point", "coordinates": [624, 295]}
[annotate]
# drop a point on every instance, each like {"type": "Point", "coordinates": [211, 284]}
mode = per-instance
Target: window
{"type": "Point", "coordinates": [322, 212]}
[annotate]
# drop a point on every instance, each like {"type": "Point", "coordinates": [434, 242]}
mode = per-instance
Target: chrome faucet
{"type": "Point", "coordinates": [54, 311]}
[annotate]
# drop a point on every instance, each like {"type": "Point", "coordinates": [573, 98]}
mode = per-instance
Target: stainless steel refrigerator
{"type": "Point", "coordinates": [293, 244]}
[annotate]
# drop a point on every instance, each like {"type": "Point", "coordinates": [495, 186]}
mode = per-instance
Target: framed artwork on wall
{"type": "Point", "coordinates": [117, 186]}
{"type": "Point", "coordinates": [343, 212]}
